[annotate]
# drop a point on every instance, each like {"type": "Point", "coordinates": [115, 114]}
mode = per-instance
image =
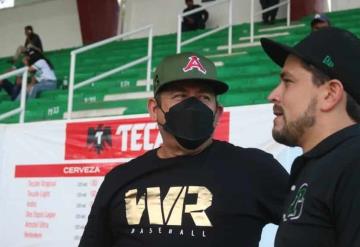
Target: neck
{"type": "Point", "coordinates": [168, 150]}
{"type": "Point", "coordinates": [323, 129]}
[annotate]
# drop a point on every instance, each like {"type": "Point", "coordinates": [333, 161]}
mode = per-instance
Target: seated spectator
{"type": "Point", "coordinates": [194, 21]}
{"type": "Point", "coordinates": [44, 78]}
{"type": "Point", "coordinates": [32, 41]}
{"type": "Point", "coordinates": [269, 16]}
{"type": "Point", "coordinates": [319, 21]}
{"type": "Point", "coordinates": [13, 89]}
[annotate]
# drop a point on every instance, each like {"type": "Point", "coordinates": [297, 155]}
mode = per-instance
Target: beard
{"type": "Point", "coordinates": [292, 131]}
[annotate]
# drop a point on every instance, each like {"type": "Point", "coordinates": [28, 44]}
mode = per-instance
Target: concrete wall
{"type": "Point", "coordinates": [345, 4]}
{"type": "Point", "coordinates": [163, 14]}
{"type": "Point", "coordinates": [56, 22]}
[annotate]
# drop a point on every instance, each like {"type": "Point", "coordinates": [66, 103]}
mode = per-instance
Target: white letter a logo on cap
{"type": "Point", "coordinates": [194, 63]}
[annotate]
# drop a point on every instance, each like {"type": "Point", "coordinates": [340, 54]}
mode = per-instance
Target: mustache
{"type": "Point", "coordinates": [278, 109]}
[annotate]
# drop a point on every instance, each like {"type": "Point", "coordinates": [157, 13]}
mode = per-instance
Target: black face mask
{"type": "Point", "coordinates": [190, 122]}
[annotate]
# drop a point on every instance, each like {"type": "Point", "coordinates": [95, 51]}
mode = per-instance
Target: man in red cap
{"type": "Point", "coordinates": [192, 190]}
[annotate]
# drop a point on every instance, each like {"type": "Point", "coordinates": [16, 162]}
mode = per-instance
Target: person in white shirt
{"type": "Point", "coordinates": [44, 78]}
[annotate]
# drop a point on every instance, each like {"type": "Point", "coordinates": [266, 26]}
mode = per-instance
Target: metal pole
{"type": "Point", "coordinates": [230, 28]}
{"type": "Point", "coordinates": [109, 40]}
{"type": "Point", "coordinates": [252, 22]}
{"type": "Point", "coordinates": [288, 13]}
{"type": "Point", "coordinates": [71, 84]}
{"type": "Point", "coordinates": [148, 72]}
{"type": "Point", "coordinates": [329, 5]}
{"type": "Point", "coordinates": [178, 40]}
{"type": "Point", "coordinates": [23, 96]}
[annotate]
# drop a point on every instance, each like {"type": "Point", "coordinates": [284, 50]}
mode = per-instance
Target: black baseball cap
{"type": "Point", "coordinates": [187, 66]}
{"type": "Point", "coordinates": [334, 51]}
{"type": "Point", "coordinates": [320, 18]}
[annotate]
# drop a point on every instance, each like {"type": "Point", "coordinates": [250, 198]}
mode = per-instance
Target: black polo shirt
{"type": "Point", "coordinates": [323, 207]}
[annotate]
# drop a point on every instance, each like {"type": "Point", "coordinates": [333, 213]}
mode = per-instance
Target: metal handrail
{"type": "Point", "coordinates": [252, 15]}
{"type": "Point", "coordinates": [20, 110]}
{"type": "Point", "coordinates": [73, 54]}
{"type": "Point", "coordinates": [329, 5]}
{"type": "Point", "coordinates": [180, 43]}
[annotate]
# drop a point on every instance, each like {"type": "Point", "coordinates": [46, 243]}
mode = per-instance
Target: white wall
{"type": "Point", "coordinates": [345, 4]}
{"type": "Point", "coordinates": [56, 22]}
{"type": "Point", "coordinates": [163, 14]}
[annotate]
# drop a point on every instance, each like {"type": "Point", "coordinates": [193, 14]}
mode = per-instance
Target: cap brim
{"type": "Point", "coordinates": [219, 87]}
{"type": "Point", "coordinates": [278, 52]}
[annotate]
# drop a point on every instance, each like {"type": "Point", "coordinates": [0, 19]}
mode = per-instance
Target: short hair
{"type": "Point", "coordinates": [29, 28]}
{"type": "Point", "coordinates": [319, 78]}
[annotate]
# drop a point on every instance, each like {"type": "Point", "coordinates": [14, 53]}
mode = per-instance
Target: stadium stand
{"type": "Point", "coordinates": [250, 74]}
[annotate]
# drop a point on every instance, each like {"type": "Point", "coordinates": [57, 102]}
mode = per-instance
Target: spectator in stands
{"type": "Point", "coordinates": [269, 17]}
{"type": "Point", "coordinates": [13, 89]}
{"type": "Point", "coordinates": [319, 21]}
{"type": "Point", "coordinates": [32, 41]}
{"type": "Point", "coordinates": [192, 190]}
{"type": "Point", "coordinates": [44, 78]}
{"type": "Point", "coordinates": [194, 21]}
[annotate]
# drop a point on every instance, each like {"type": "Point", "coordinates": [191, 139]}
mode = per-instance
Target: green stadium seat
{"type": "Point", "coordinates": [251, 75]}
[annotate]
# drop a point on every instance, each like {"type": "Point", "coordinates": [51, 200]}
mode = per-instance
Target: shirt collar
{"type": "Point", "coordinates": [324, 147]}
{"type": "Point", "coordinates": [333, 140]}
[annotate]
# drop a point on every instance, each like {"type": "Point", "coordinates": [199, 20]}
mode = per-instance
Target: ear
{"type": "Point", "coordinates": [333, 94]}
{"type": "Point", "coordinates": [152, 105]}
{"type": "Point", "coordinates": [218, 113]}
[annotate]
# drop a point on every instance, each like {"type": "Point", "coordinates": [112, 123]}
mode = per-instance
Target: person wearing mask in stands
{"type": "Point", "coordinates": [44, 78]}
{"type": "Point", "coordinates": [194, 21]}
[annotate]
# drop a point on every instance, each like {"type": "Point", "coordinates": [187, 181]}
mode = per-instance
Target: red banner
{"type": "Point", "coordinates": [63, 170]}
{"type": "Point", "coordinates": [122, 138]}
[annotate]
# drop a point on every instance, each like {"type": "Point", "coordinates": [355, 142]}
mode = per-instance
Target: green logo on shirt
{"type": "Point", "coordinates": [296, 207]}
{"type": "Point", "coordinates": [328, 62]}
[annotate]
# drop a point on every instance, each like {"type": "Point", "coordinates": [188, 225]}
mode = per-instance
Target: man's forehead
{"type": "Point", "coordinates": [187, 85]}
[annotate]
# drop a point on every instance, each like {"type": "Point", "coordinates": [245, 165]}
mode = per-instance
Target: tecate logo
{"type": "Point", "coordinates": [122, 138]}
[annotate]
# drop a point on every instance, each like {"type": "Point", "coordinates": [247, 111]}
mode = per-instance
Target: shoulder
{"type": "Point", "coordinates": [252, 153]}
{"type": "Point", "coordinates": [40, 63]}
{"type": "Point", "coordinates": [345, 156]}
{"type": "Point", "coordinates": [253, 159]}
{"type": "Point", "coordinates": [128, 167]}
{"type": "Point", "coordinates": [350, 155]}
{"type": "Point", "coordinates": [36, 36]}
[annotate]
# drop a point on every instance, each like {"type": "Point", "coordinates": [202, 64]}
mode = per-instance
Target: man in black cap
{"type": "Point", "coordinates": [192, 190]}
{"type": "Point", "coordinates": [316, 107]}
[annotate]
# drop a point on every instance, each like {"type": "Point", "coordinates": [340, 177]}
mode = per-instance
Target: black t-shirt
{"type": "Point", "coordinates": [199, 18]}
{"type": "Point", "coordinates": [323, 208]}
{"type": "Point", "coordinates": [35, 41]}
{"type": "Point", "coordinates": [220, 197]}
